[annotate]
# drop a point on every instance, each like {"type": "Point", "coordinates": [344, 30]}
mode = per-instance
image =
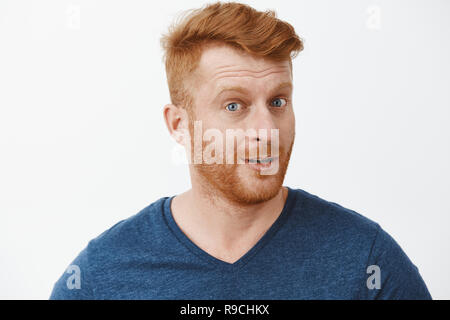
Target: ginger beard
{"type": "Point", "coordinates": [238, 182]}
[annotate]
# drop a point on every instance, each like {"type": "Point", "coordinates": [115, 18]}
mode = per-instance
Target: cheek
{"type": "Point", "coordinates": [287, 126]}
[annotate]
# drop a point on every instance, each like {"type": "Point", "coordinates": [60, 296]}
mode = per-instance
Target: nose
{"type": "Point", "coordinates": [262, 121]}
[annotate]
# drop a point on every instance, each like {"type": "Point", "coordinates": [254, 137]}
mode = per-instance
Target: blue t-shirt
{"type": "Point", "coordinates": [314, 250]}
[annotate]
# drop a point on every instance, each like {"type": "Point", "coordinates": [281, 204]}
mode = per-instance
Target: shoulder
{"type": "Point", "coordinates": [130, 238]}
{"type": "Point", "coordinates": [110, 250]}
{"type": "Point", "coordinates": [354, 243]}
{"type": "Point", "coordinates": [125, 233]}
{"type": "Point", "coordinates": [332, 219]}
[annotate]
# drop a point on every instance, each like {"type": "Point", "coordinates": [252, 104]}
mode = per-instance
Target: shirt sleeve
{"type": "Point", "coordinates": [73, 284]}
{"type": "Point", "coordinates": [399, 278]}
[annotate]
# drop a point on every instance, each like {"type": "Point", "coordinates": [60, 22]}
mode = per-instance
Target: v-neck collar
{"type": "Point", "coordinates": [226, 266]}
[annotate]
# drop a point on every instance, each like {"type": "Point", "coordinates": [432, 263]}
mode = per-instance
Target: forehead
{"type": "Point", "coordinates": [222, 64]}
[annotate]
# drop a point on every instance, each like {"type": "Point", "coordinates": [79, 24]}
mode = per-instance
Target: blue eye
{"type": "Point", "coordinates": [233, 106]}
{"type": "Point", "coordinates": [279, 102]}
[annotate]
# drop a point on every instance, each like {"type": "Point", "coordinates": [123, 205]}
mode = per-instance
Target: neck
{"type": "Point", "coordinates": [221, 227]}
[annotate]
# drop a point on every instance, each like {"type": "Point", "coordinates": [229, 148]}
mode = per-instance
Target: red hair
{"type": "Point", "coordinates": [238, 25]}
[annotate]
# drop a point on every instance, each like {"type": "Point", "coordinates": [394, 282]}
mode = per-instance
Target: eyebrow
{"type": "Point", "coordinates": [284, 85]}
{"type": "Point", "coordinates": [237, 89]}
{"type": "Point", "coordinates": [244, 90]}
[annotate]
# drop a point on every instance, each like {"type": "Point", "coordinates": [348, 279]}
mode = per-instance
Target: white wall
{"type": "Point", "coordinates": [83, 143]}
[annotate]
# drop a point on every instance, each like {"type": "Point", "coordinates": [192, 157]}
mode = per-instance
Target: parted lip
{"type": "Point", "coordinates": [261, 160]}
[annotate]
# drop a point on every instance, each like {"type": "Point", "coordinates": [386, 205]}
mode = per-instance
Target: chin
{"type": "Point", "coordinates": [257, 189]}
{"type": "Point", "coordinates": [240, 184]}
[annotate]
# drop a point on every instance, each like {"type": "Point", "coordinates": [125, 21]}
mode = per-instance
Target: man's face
{"type": "Point", "coordinates": [234, 90]}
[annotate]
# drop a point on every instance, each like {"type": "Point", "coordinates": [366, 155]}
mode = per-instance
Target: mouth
{"type": "Point", "coordinates": [259, 164]}
{"type": "Point", "coordinates": [263, 161]}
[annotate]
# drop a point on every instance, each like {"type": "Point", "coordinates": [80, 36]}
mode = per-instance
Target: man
{"type": "Point", "coordinates": [238, 233]}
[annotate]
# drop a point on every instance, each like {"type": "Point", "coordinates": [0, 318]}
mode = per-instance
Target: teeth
{"type": "Point", "coordinates": [266, 160]}
{"type": "Point", "coordinates": [260, 161]}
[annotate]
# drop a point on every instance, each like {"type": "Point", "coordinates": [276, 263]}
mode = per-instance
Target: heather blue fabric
{"type": "Point", "coordinates": [315, 250]}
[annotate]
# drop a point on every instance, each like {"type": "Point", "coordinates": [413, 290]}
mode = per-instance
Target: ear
{"type": "Point", "coordinates": [176, 119]}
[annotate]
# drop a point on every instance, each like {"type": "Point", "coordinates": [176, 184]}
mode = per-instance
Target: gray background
{"type": "Point", "coordinates": [83, 143]}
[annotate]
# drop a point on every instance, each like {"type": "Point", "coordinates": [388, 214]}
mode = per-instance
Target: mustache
{"type": "Point", "coordinates": [242, 155]}
{"type": "Point", "coordinates": [232, 145]}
